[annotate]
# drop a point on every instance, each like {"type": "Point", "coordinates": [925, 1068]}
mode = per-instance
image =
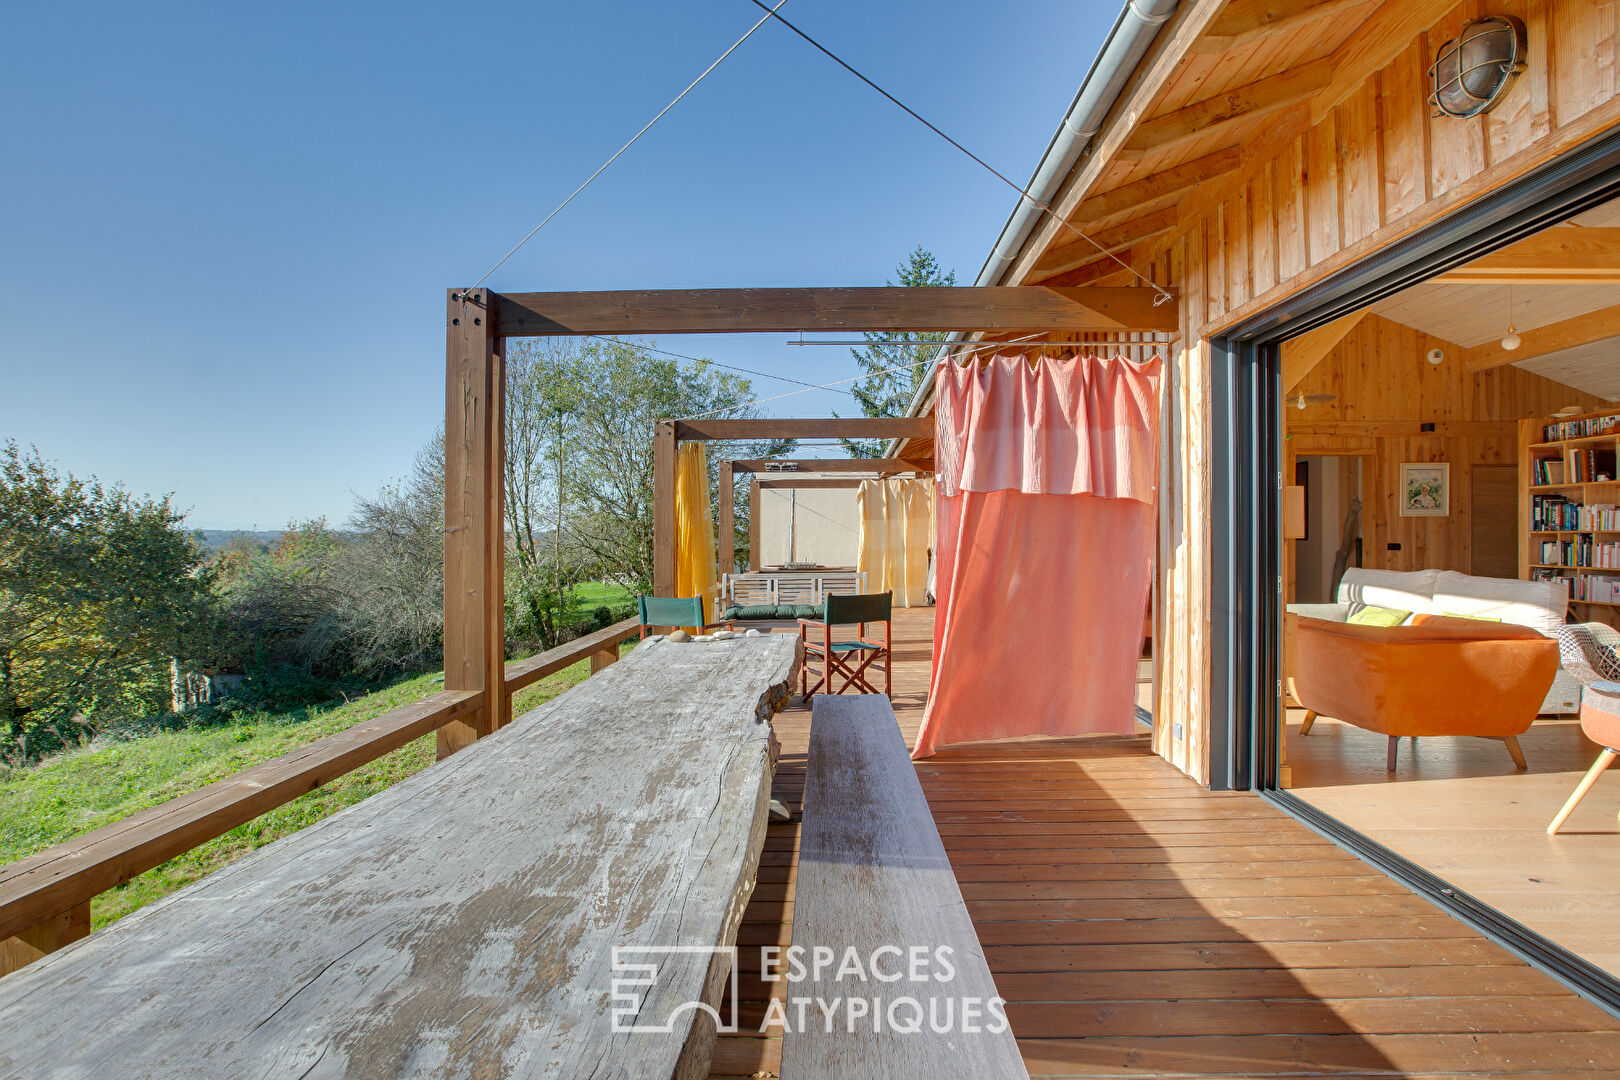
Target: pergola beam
{"type": "Point", "coordinates": [859, 427]}
{"type": "Point", "coordinates": [812, 482]}
{"type": "Point", "coordinates": [1561, 256]}
{"type": "Point", "coordinates": [1023, 309]}
{"type": "Point", "coordinates": [831, 465]}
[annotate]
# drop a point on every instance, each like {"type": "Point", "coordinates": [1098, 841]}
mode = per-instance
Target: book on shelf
{"type": "Point", "coordinates": [1590, 465]}
{"type": "Point", "coordinates": [1578, 429]}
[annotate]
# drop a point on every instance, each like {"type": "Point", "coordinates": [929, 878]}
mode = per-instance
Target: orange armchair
{"type": "Point", "coordinates": [1439, 676]}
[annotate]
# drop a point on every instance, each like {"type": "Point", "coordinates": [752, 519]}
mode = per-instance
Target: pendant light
{"type": "Point", "coordinates": [1511, 341]}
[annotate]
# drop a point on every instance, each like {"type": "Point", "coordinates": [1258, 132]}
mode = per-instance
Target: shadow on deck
{"type": "Point", "coordinates": [1139, 925]}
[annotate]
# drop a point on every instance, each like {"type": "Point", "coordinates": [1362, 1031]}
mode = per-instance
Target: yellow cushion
{"type": "Point", "coordinates": [1378, 616]}
{"type": "Point", "coordinates": [1476, 618]}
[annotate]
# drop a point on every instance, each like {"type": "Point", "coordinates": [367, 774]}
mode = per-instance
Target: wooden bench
{"type": "Point", "coordinates": [463, 922]}
{"type": "Point", "coordinates": [873, 875]}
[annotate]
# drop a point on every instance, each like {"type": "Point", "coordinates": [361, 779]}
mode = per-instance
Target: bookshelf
{"type": "Point", "coordinates": [1569, 508]}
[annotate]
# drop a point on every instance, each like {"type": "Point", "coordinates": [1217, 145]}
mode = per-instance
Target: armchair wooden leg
{"type": "Point", "coordinates": [1605, 758]}
{"type": "Point", "coordinates": [1305, 724]}
{"type": "Point", "coordinates": [1512, 744]}
{"type": "Point", "coordinates": [1394, 745]}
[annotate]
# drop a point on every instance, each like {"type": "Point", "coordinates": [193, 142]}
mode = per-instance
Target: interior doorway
{"type": "Point", "coordinates": [1332, 525]}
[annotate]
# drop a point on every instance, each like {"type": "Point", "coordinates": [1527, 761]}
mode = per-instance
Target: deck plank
{"type": "Point", "coordinates": [1242, 980]}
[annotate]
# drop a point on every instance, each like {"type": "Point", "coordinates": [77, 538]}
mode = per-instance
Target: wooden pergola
{"type": "Point", "coordinates": [479, 321]}
{"type": "Point", "coordinates": [803, 474]}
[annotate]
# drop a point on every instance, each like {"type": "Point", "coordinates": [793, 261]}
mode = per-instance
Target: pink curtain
{"type": "Point", "coordinates": [1047, 482]}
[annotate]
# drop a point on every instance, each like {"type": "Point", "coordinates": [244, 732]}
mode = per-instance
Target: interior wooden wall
{"type": "Point", "coordinates": [1314, 195]}
{"type": "Point", "coordinates": [1385, 388]}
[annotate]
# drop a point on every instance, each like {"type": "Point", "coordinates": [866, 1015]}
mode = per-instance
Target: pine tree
{"type": "Point", "coordinates": [895, 371]}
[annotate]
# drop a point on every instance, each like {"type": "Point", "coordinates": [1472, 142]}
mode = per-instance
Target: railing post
{"type": "Point", "coordinates": [474, 517]}
{"type": "Point", "coordinates": [603, 658]}
{"type": "Point", "coordinates": [45, 937]}
{"type": "Point", "coordinates": [664, 508]}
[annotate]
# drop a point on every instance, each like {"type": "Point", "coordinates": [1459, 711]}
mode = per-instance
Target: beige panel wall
{"type": "Point", "coordinates": [818, 525]}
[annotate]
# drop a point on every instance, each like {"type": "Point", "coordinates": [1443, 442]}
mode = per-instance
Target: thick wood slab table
{"type": "Point", "coordinates": [462, 923]}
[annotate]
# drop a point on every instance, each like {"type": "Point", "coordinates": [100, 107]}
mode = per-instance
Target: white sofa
{"type": "Point", "coordinates": [1536, 604]}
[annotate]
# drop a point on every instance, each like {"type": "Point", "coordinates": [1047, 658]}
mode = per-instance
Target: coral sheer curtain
{"type": "Point", "coordinates": [897, 529]}
{"type": "Point", "coordinates": [1047, 479]}
{"type": "Point", "coordinates": [696, 569]}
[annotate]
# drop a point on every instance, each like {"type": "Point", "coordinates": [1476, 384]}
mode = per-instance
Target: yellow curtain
{"type": "Point", "coordinates": [695, 567]}
{"type": "Point", "coordinates": [897, 531]}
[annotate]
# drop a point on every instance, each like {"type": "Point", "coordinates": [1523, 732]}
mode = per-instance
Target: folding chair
{"type": "Point", "coordinates": [674, 611]}
{"type": "Point", "coordinates": [847, 660]}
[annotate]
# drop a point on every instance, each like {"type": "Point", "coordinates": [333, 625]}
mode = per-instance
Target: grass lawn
{"type": "Point", "coordinates": [595, 594]}
{"type": "Point", "coordinates": [83, 790]}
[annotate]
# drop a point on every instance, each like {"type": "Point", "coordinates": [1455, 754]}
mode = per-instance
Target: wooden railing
{"type": "Point", "coordinates": [45, 898]}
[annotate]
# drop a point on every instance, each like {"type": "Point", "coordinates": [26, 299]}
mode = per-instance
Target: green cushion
{"type": "Point", "coordinates": [1378, 616]}
{"type": "Point", "coordinates": [752, 611]}
{"type": "Point", "coordinates": [1476, 618]}
{"type": "Point", "coordinates": [800, 611]}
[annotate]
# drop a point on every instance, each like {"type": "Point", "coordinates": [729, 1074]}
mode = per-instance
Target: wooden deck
{"type": "Point", "coordinates": [1140, 926]}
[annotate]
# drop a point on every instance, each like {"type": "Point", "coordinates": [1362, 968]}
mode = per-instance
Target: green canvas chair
{"type": "Point", "coordinates": [675, 611]}
{"type": "Point", "coordinates": [847, 662]}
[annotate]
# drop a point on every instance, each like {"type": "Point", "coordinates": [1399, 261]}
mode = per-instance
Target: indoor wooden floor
{"type": "Point", "coordinates": [1459, 808]}
{"type": "Point", "coordinates": [1141, 926]}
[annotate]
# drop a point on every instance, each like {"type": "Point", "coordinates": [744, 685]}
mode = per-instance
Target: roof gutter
{"type": "Point", "coordinates": [1132, 34]}
{"type": "Point", "coordinates": [1138, 24]}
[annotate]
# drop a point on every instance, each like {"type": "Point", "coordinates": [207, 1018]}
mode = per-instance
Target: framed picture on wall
{"type": "Point", "coordinates": [1425, 488]}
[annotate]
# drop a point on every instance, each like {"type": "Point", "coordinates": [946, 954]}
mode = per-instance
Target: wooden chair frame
{"type": "Point", "coordinates": [851, 664]}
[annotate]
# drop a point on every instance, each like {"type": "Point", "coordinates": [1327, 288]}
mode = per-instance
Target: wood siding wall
{"type": "Point", "coordinates": [1310, 200]}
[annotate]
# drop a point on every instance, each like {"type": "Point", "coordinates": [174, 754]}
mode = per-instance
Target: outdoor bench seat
{"type": "Point", "coordinates": [548, 901]}
{"type": "Point", "coordinates": [873, 877]}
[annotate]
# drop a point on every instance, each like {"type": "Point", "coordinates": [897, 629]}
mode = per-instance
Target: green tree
{"type": "Point", "coordinates": [897, 363]}
{"type": "Point", "coordinates": [608, 477]}
{"type": "Point", "coordinates": [98, 591]}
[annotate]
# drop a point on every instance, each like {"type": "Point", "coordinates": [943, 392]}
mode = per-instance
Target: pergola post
{"type": "Point", "coordinates": [755, 563]}
{"type": "Point", "coordinates": [664, 508]}
{"type": "Point", "coordinates": [474, 518]}
{"type": "Point", "coordinates": [727, 515]}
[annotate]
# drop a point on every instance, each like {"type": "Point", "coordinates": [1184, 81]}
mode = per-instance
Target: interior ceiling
{"type": "Point", "coordinates": [1470, 315]}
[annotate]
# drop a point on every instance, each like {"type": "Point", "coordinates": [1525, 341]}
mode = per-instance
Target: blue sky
{"type": "Point", "coordinates": [228, 229]}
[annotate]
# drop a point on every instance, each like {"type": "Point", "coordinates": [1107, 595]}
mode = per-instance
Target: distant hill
{"type": "Point", "coordinates": [214, 539]}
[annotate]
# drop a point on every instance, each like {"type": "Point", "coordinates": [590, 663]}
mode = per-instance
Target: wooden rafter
{"type": "Point", "coordinates": [829, 465]}
{"type": "Point", "coordinates": [1384, 36]}
{"type": "Point", "coordinates": [1581, 330]}
{"type": "Point", "coordinates": [1160, 185]}
{"type": "Point", "coordinates": [1244, 22]}
{"type": "Point", "coordinates": [1560, 256]}
{"type": "Point", "coordinates": [1104, 242]}
{"type": "Point", "coordinates": [1226, 112]}
{"type": "Point", "coordinates": [703, 311]}
{"type": "Point", "coordinates": [1301, 354]}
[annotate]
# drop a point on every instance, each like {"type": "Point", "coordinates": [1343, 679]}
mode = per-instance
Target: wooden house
{"type": "Point", "coordinates": [1236, 183]}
